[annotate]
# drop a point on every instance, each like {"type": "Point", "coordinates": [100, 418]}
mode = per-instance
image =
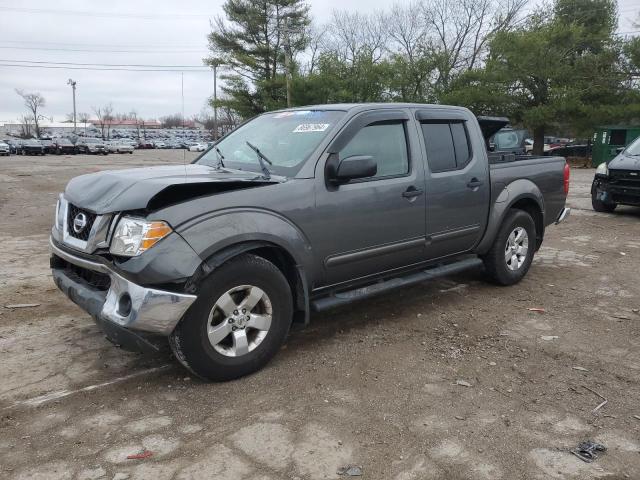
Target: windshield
{"type": "Point", "coordinates": [285, 138]}
{"type": "Point", "coordinates": [633, 148]}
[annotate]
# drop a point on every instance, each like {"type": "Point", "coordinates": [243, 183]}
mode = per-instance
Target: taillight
{"type": "Point", "coordinates": [567, 174]}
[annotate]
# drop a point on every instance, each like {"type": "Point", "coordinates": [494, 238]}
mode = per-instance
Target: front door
{"type": "Point", "coordinates": [373, 224]}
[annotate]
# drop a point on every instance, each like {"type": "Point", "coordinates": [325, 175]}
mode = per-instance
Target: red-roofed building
{"type": "Point", "coordinates": [128, 124]}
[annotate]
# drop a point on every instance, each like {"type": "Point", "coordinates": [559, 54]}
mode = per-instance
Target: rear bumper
{"type": "Point", "coordinates": [563, 215]}
{"type": "Point", "coordinates": [126, 310]}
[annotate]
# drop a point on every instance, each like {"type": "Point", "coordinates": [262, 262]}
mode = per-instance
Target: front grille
{"type": "Point", "coordinates": [95, 280]}
{"type": "Point", "coordinates": [625, 178]}
{"type": "Point", "coordinates": [89, 218]}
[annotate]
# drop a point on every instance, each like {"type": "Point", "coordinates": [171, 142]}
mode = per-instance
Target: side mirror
{"type": "Point", "coordinates": [351, 168]}
{"type": "Point", "coordinates": [492, 147]}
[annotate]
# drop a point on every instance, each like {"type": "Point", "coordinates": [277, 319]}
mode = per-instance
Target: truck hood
{"type": "Point", "coordinates": [625, 162]}
{"type": "Point", "coordinates": [152, 188]}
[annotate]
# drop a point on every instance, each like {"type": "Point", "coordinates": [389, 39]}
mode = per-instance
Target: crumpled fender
{"type": "Point", "coordinates": [218, 230]}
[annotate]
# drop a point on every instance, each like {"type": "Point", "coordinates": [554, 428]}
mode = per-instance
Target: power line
{"type": "Point", "coordinates": [104, 64]}
{"type": "Point", "coordinates": [61, 67]}
{"type": "Point", "coordinates": [100, 51]}
{"type": "Point", "coordinates": [107, 45]}
{"type": "Point", "coordinates": [85, 13]}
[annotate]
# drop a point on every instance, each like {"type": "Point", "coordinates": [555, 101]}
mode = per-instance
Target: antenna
{"type": "Point", "coordinates": [184, 153]}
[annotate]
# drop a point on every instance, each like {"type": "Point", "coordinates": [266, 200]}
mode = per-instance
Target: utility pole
{"type": "Point", "coordinates": [214, 66]}
{"type": "Point", "coordinates": [73, 86]}
{"type": "Point", "coordinates": [287, 60]}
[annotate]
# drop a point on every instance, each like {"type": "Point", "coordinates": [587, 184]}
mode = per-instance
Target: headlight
{"type": "Point", "coordinates": [602, 169]}
{"type": "Point", "coordinates": [136, 235]}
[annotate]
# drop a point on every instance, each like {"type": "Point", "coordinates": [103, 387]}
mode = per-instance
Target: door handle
{"type": "Point", "coordinates": [474, 183]}
{"type": "Point", "coordinates": [412, 192]}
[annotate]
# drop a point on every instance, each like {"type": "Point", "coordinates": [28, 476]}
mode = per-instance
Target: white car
{"type": "Point", "coordinates": [4, 149]}
{"type": "Point", "coordinates": [120, 147]}
{"type": "Point", "coordinates": [198, 147]}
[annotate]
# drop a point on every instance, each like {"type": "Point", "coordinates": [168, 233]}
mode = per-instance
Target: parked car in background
{"type": "Point", "coordinates": [618, 183]}
{"type": "Point", "coordinates": [31, 147]}
{"type": "Point", "coordinates": [47, 143]}
{"type": "Point", "coordinates": [64, 146]}
{"type": "Point", "coordinates": [118, 146]}
{"type": "Point", "coordinates": [14, 145]}
{"type": "Point", "coordinates": [159, 145]}
{"type": "Point", "coordinates": [94, 146]}
{"type": "Point", "coordinates": [569, 151]}
{"type": "Point", "coordinates": [297, 211]}
{"type": "Point", "coordinates": [4, 149]}
{"type": "Point", "coordinates": [528, 146]}
{"type": "Point", "coordinates": [198, 147]}
{"type": "Point", "coordinates": [145, 144]}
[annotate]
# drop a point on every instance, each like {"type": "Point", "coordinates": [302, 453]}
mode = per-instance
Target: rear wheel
{"type": "Point", "coordinates": [239, 321]}
{"type": "Point", "coordinates": [511, 254]}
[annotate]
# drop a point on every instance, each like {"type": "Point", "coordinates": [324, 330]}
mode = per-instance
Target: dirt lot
{"type": "Point", "coordinates": [372, 385]}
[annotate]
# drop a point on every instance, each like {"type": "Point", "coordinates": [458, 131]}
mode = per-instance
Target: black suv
{"type": "Point", "coordinates": [31, 147]}
{"type": "Point", "coordinates": [63, 146]}
{"type": "Point", "coordinates": [618, 183]}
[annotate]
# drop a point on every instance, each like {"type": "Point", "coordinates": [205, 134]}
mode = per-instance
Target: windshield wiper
{"type": "Point", "coordinates": [261, 160]}
{"type": "Point", "coordinates": [220, 157]}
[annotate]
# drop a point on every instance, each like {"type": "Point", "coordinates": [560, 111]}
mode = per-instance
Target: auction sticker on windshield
{"type": "Point", "coordinates": [311, 127]}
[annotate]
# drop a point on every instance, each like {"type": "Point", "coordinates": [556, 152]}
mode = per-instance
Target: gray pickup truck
{"type": "Point", "coordinates": [296, 211]}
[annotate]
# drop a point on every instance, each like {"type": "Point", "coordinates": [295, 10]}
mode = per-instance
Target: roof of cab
{"type": "Point", "coordinates": [365, 106]}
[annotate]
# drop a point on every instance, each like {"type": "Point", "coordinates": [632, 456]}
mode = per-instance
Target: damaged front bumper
{"type": "Point", "coordinates": [124, 310]}
{"type": "Point", "coordinates": [616, 189]}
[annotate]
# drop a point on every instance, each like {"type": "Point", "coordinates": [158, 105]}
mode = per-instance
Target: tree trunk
{"type": "Point", "coordinates": [538, 141]}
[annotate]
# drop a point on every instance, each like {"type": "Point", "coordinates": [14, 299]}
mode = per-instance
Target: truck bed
{"type": "Point", "coordinates": [545, 172]}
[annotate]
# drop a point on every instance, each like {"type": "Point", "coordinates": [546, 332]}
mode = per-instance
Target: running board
{"type": "Point", "coordinates": [343, 298]}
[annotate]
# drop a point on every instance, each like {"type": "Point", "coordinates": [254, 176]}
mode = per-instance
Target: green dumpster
{"type": "Point", "coordinates": [608, 139]}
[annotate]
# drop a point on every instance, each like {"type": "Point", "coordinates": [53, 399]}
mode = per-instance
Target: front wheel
{"type": "Point", "coordinates": [600, 206]}
{"type": "Point", "coordinates": [511, 254]}
{"type": "Point", "coordinates": [239, 321]}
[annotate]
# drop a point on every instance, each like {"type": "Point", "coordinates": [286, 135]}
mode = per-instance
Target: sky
{"type": "Point", "coordinates": [122, 32]}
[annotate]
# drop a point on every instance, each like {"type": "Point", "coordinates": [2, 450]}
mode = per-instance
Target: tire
{"type": "Point", "coordinates": [510, 271]}
{"type": "Point", "coordinates": [599, 205]}
{"type": "Point", "coordinates": [216, 361]}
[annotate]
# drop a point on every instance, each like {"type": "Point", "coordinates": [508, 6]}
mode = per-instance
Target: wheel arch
{"type": "Point", "coordinates": [274, 253]}
{"type": "Point", "coordinates": [523, 195]}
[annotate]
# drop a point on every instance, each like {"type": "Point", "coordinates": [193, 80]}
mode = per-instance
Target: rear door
{"type": "Point", "coordinates": [458, 188]}
{"type": "Point", "coordinates": [373, 224]}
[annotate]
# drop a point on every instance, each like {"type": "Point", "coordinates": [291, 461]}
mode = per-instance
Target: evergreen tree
{"type": "Point", "coordinates": [250, 44]}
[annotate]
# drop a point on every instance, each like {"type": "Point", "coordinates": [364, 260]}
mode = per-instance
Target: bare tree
{"type": "Point", "coordinates": [104, 115]}
{"type": "Point", "coordinates": [84, 118]}
{"type": "Point", "coordinates": [26, 126]}
{"type": "Point", "coordinates": [34, 102]}
{"type": "Point", "coordinates": [316, 39]}
{"type": "Point", "coordinates": [458, 31]}
{"type": "Point", "coordinates": [352, 35]}
{"type": "Point", "coordinates": [228, 120]}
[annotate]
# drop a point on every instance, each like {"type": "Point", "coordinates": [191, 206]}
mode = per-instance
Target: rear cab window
{"type": "Point", "coordinates": [447, 145]}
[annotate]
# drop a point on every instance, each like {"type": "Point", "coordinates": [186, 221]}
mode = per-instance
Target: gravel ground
{"type": "Point", "coordinates": [454, 379]}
